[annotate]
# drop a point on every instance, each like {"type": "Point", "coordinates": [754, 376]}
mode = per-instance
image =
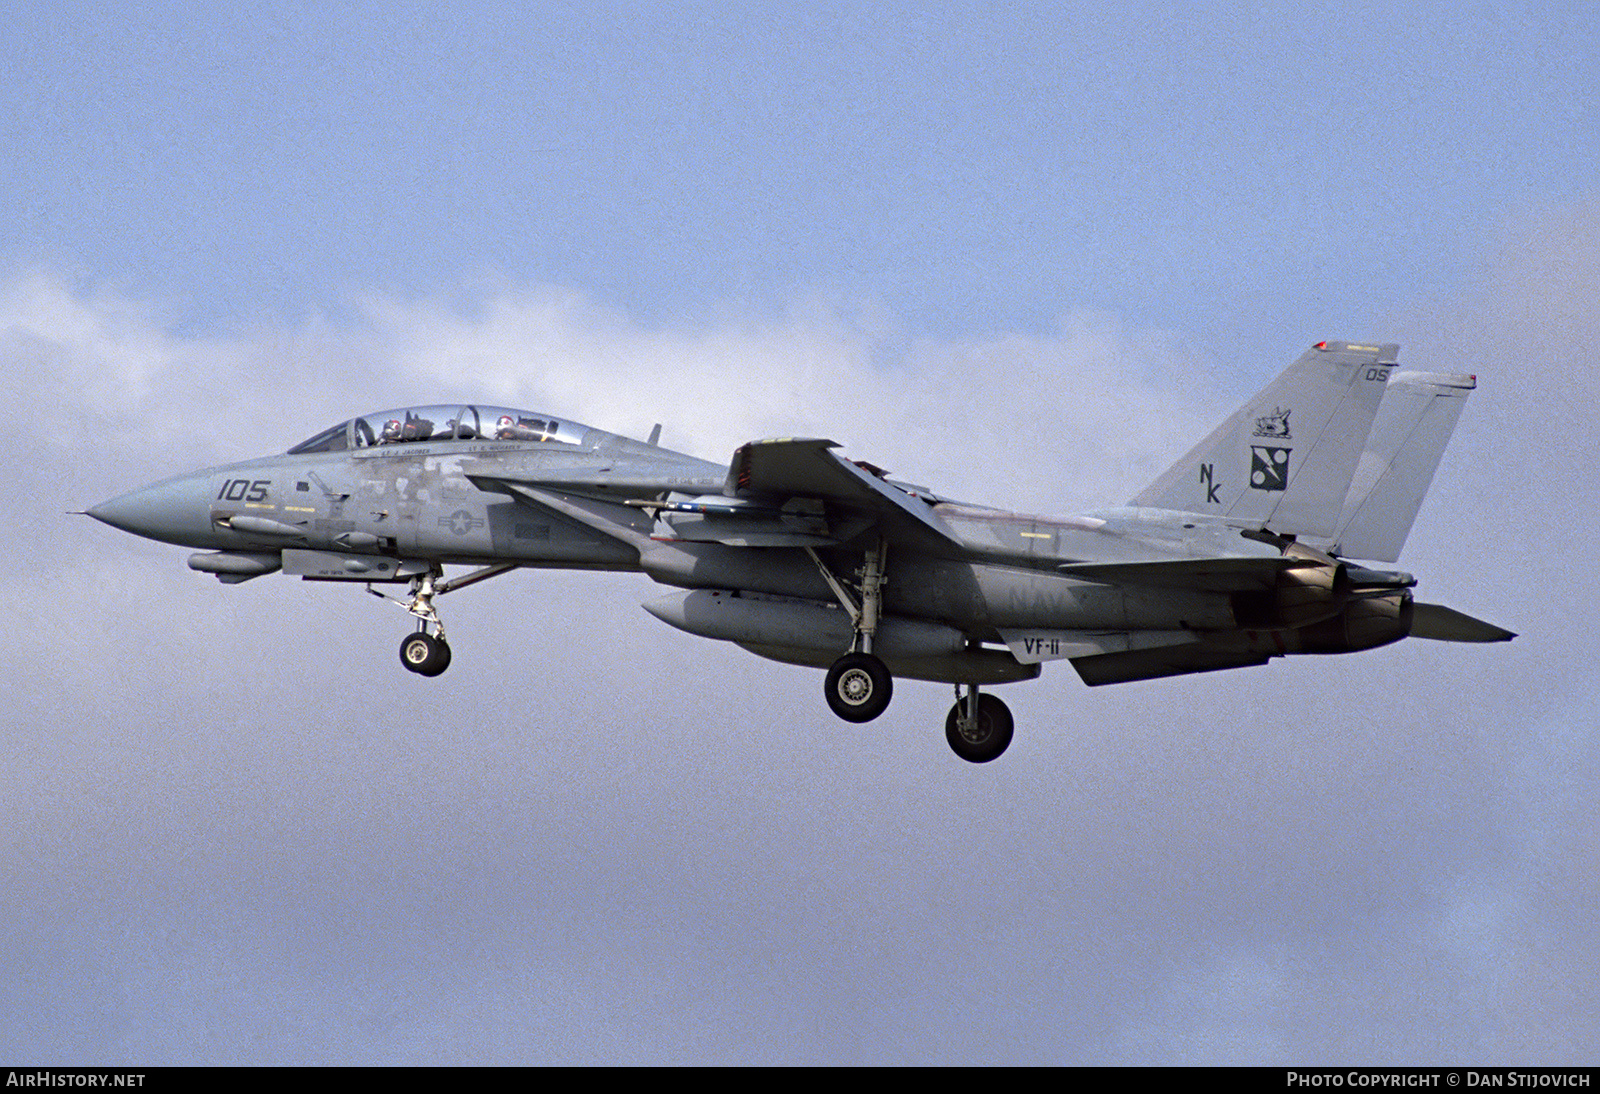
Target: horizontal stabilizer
{"type": "Point", "coordinates": [1448, 625]}
{"type": "Point", "coordinates": [1152, 664]}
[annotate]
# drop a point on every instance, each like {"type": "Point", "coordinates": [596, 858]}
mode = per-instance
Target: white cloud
{"type": "Point", "coordinates": [251, 833]}
{"type": "Point", "coordinates": [1080, 418]}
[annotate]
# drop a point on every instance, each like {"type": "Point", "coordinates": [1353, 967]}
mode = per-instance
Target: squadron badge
{"type": "Point", "coordinates": [1269, 467]}
{"type": "Point", "coordinates": [1275, 424]}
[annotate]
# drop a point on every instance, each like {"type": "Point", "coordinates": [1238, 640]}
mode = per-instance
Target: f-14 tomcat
{"type": "Point", "coordinates": [1261, 542]}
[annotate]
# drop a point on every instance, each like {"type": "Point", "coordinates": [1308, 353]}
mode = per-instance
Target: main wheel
{"type": "Point", "coordinates": [424, 654]}
{"type": "Point", "coordinates": [859, 687]}
{"type": "Point", "coordinates": [985, 741]}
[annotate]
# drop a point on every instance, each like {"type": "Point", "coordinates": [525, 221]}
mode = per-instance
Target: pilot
{"type": "Point", "coordinates": [515, 429]}
{"type": "Point", "coordinates": [391, 432]}
{"type": "Point", "coordinates": [417, 428]}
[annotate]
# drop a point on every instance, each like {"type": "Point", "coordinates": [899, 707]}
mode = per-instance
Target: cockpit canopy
{"type": "Point", "coordinates": [439, 424]}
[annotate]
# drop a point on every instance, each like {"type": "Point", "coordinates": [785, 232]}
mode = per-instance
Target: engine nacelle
{"type": "Point", "coordinates": [1300, 597]}
{"type": "Point", "coordinates": [1364, 624]}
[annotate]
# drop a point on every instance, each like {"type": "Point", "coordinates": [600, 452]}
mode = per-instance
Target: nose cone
{"type": "Point", "coordinates": [175, 511]}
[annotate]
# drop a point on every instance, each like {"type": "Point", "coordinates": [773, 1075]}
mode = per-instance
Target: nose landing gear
{"type": "Point", "coordinates": [422, 652]}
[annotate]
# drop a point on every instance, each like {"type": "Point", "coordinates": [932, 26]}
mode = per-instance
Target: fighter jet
{"type": "Point", "coordinates": [1263, 541]}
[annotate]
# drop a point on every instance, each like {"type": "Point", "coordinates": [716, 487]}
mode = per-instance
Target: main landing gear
{"type": "Point", "coordinates": [425, 651]}
{"type": "Point", "coordinates": [859, 686]}
{"type": "Point", "coordinates": [978, 727]}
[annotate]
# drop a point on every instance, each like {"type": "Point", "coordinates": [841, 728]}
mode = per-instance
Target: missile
{"type": "Point", "coordinates": [262, 526]}
{"type": "Point", "coordinates": [797, 624]}
{"type": "Point", "coordinates": [815, 633]}
{"type": "Point", "coordinates": [232, 567]}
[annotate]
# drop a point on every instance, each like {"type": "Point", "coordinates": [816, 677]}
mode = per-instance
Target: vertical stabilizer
{"type": "Point", "coordinates": [1286, 458]}
{"type": "Point", "coordinates": [1418, 414]}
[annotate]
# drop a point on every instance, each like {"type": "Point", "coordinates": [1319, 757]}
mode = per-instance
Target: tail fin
{"type": "Point", "coordinates": [1285, 459]}
{"type": "Point", "coordinates": [1414, 423]}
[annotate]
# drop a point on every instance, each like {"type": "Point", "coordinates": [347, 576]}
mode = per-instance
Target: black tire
{"type": "Point", "coordinates": [424, 654]}
{"type": "Point", "coordinates": [989, 739]}
{"type": "Point", "coordinates": [441, 658]}
{"type": "Point", "coordinates": [859, 687]}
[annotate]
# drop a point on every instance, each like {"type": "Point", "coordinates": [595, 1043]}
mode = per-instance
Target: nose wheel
{"type": "Point", "coordinates": [424, 654]}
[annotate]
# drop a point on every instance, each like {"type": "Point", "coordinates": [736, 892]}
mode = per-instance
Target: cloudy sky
{"type": "Point", "coordinates": [1023, 253]}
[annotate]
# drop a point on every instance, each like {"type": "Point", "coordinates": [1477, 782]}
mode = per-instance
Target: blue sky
{"type": "Point", "coordinates": [1024, 253]}
{"type": "Point", "coordinates": [971, 167]}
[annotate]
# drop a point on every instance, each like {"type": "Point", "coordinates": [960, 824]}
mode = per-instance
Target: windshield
{"type": "Point", "coordinates": [410, 425]}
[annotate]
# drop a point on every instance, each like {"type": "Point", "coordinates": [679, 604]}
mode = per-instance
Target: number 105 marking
{"type": "Point", "coordinates": [244, 490]}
